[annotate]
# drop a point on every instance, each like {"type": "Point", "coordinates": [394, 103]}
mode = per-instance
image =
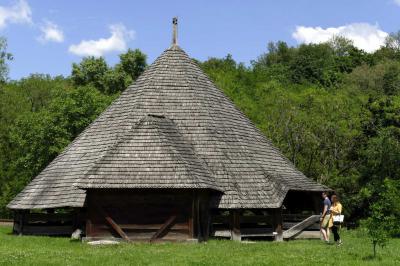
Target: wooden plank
{"type": "Point", "coordinates": [110, 221]}
{"type": "Point", "coordinates": [316, 226]}
{"type": "Point", "coordinates": [115, 226]}
{"type": "Point", "coordinates": [243, 219]}
{"type": "Point", "coordinates": [147, 226]}
{"type": "Point", "coordinates": [295, 217]}
{"type": "Point", "coordinates": [163, 228]}
{"type": "Point", "coordinates": [296, 229]}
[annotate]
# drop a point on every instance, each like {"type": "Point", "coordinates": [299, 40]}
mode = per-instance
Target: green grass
{"type": "Point", "coordinates": [356, 250]}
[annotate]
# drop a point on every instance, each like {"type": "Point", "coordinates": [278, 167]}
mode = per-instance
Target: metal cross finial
{"type": "Point", "coordinates": [175, 31]}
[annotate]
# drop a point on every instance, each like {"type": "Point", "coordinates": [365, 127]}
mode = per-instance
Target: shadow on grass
{"type": "Point", "coordinates": [370, 258]}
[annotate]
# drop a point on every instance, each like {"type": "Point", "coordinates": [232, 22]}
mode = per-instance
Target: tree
{"type": "Point", "coordinates": [38, 137]}
{"type": "Point", "coordinates": [109, 80]}
{"type": "Point", "coordinates": [4, 58]}
{"type": "Point", "coordinates": [390, 50]}
{"type": "Point", "coordinates": [314, 63]}
{"type": "Point", "coordinates": [384, 218]}
{"type": "Point", "coordinates": [391, 80]}
{"type": "Point", "coordinates": [392, 41]}
{"type": "Point", "coordinates": [90, 70]}
{"type": "Point", "coordinates": [133, 63]}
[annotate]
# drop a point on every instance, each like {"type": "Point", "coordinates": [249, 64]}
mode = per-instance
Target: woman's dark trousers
{"type": "Point", "coordinates": [335, 231]}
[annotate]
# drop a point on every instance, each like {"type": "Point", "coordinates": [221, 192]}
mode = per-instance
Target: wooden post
{"type": "Point", "coordinates": [191, 216]}
{"type": "Point", "coordinates": [317, 203]}
{"type": "Point", "coordinates": [89, 226]}
{"type": "Point", "coordinates": [204, 215]}
{"type": "Point", "coordinates": [22, 217]}
{"type": "Point", "coordinates": [277, 224]}
{"type": "Point", "coordinates": [235, 225]}
{"type": "Point", "coordinates": [197, 218]}
{"type": "Point", "coordinates": [75, 222]}
{"type": "Point", "coordinates": [15, 224]}
{"type": "Point", "coordinates": [175, 31]}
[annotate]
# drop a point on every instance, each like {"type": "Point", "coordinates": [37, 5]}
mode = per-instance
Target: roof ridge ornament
{"type": "Point", "coordinates": [175, 31]}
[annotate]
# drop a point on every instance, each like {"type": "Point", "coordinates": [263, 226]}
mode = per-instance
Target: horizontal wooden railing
{"type": "Point", "coordinates": [44, 223]}
{"type": "Point", "coordinates": [262, 225]}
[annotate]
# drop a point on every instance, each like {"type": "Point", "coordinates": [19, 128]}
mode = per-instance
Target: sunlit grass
{"type": "Point", "coordinates": [356, 250]}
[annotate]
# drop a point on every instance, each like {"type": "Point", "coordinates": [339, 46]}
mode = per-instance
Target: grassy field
{"type": "Point", "coordinates": [27, 250]}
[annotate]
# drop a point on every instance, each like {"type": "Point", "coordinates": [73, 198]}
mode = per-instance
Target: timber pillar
{"type": "Point", "coordinates": [199, 220]}
{"type": "Point", "coordinates": [277, 224]}
{"type": "Point", "coordinates": [235, 225]}
{"type": "Point", "coordinates": [20, 218]}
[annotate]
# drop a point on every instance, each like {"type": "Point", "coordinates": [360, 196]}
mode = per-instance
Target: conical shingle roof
{"type": "Point", "coordinates": [226, 151]}
{"type": "Point", "coordinates": [152, 148]}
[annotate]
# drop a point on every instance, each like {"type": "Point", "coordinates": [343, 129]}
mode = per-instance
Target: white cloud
{"type": "Point", "coordinates": [20, 13]}
{"type": "Point", "coordinates": [51, 32]}
{"type": "Point", "coordinates": [397, 2]}
{"type": "Point", "coordinates": [120, 35]}
{"type": "Point", "coordinates": [364, 36]}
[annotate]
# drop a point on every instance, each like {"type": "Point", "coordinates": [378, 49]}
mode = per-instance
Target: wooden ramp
{"type": "Point", "coordinates": [299, 228]}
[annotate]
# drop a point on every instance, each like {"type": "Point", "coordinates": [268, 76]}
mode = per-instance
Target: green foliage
{"type": "Point", "coordinates": [35, 136]}
{"type": "Point", "coordinates": [4, 58]}
{"type": "Point", "coordinates": [109, 80]}
{"type": "Point", "coordinates": [320, 64]}
{"type": "Point", "coordinates": [90, 70]}
{"type": "Point", "coordinates": [133, 62]}
{"type": "Point", "coordinates": [384, 218]}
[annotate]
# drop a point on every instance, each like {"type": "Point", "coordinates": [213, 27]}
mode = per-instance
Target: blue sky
{"type": "Point", "coordinates": [47, 36]}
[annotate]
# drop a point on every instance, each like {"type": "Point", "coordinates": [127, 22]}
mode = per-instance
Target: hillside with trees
{"type": "Point", "coordinates": [333, 110]}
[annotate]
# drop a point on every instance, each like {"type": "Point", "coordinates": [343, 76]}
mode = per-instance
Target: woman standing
{"type": "Point", "coordinates": [336, 209]}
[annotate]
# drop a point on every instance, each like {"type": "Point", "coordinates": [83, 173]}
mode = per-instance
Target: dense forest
{"type": "Point", "coordinates": [333, 109]}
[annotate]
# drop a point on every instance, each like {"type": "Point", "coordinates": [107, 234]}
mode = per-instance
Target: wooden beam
{"type": "Point", "coordinates": [89, 227]}
{"type": "Point", "coordinates": [317, 203]}
{"type": "Point", "coordinates": [163, 228]}
{"type": "Point", "coordinates": [298, 228]}
{"type": "Point", "coordinates": [235, 225]}
{"type": "Point", "coordinates": [22, 220]}
{"type": "Point", "coordinates": [115, 226]}
{"type": "Point", "coordinates": [191, 216]}
{"type": "Point", "coordinates": [204, 212]}
{"type": "Point", "coordinates": [199, 234]}
{"type": "Point", "coordinates": [278, 224]}
{"type": "Point", "coordinates": [111, 222]}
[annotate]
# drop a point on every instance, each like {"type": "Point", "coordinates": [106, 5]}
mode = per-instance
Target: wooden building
{"type": "Point", "coordinates": [171, 159]}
